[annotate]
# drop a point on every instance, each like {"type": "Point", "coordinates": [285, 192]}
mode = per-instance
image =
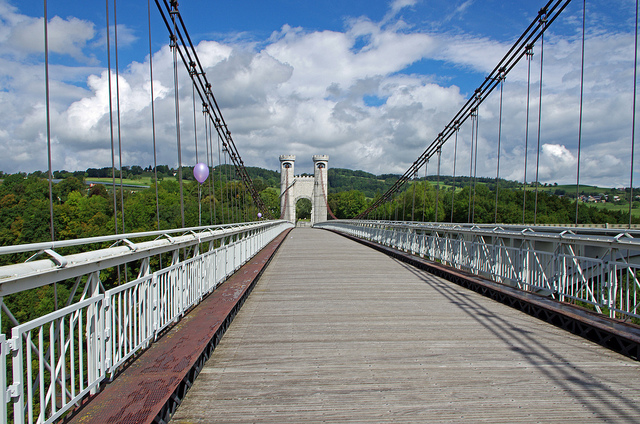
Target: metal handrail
{"type": "Point", "coordinates": [35, 247]}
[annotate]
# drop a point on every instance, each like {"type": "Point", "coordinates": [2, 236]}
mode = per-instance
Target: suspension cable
{"type": "Point", "coordinates": [153, 116]}
{"type": "Point", "coordinates": [188, 54]}
{"type": "Point", "coordinates": [529, 54]}
{"type": "Point", "coordinates": [633, 128]}
{"type": "Point", "coordinates": [584, 8]}
{"type": "Point", "coordinates": [535, 210]}
{"type": "Point", "coordinates": [533, 32]}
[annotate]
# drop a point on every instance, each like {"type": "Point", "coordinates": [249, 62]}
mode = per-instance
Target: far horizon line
{"type": "Point", "coordinates": [150, 168]}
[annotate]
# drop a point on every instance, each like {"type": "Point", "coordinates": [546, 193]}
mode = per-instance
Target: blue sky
{"type": "Point", "coordinates": [370, 83]}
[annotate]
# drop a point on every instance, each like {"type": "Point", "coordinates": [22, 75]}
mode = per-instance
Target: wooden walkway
{"type": "Point", "coordinates": [337, 332]}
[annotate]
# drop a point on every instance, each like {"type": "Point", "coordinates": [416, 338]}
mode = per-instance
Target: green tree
{"type": "Point", "coordinates": [271, 200]}
{"type": "Point", "coordinates": [68, 185]}
{"type": "Point", "coordinates": [347, 204]}
{"type": "Point", "coordinates": [303, 209]}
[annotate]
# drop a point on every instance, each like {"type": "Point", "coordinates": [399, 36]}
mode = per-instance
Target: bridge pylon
{"type": "Point", "coordinates": [294, 188]}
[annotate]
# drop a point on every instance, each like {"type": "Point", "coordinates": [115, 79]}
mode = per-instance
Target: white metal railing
{"type": "Point", "coordinates": [598, 267]}
{"type": "Point", "coordinates": [59, 358]}
{"type": "Point", "coordinates": [130, 319]}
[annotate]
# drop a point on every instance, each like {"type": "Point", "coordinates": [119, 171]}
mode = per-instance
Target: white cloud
{"type": "Point", "coordinates": [66, 36]}
{"type": "Point", "coordinates": [396, 6]}
{"type": "Point", "coordinates": [308, 92]}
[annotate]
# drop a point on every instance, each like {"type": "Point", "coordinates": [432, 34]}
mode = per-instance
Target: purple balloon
{"type": "Point", "coordinates": [259, 215]}
{"type": "Point", "coordinates": [201, 172]}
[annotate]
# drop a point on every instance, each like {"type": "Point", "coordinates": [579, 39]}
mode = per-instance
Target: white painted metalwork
{"type": "Point", "coordinates": [599, 267]}
{"type": "Point", "coordinates": [59, 358]}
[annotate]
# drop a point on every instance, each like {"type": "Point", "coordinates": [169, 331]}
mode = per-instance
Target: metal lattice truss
{"type": "Point", "coordinates": [62, 357]}
{"type": "Point", "coordinates": [597, 267]}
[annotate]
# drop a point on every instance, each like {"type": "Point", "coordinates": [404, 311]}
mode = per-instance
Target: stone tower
{"type": "Point", "coordinates": [294, 188]}
{"type": "Point", "coordinates": [320, 189]}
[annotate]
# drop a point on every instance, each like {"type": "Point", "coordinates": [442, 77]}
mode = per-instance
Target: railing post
{"type": "Point", "coordinates": [613, 282]}
{"type": "Point", "coordinates": [558, 272]}
{"type": "Point", "coordinates": [155, 304]}
{"type": "Point", "coordinates": [108, 334]}
{"type": "Point", "coordinates": [182, 288]}
{"type": "Point", "coordinates": [4, 398]}
{"type": "Point", "coordinates": [16, 390]}
{"type": "Point", "coordinates": [92, 334]}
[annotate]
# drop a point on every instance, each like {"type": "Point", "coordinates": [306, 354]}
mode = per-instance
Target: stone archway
{"type": "Point", "coordinates": [293, 187]}
{"type": "Point", "coordinates": [304, 207]}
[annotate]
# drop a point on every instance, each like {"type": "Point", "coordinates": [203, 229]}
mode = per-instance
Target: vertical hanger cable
{"type": "Point", "coordinates": [153, 116]}
{"type": "Point", "coordinates": [438, 185]}
{"type": "Point", "coordinates": [115, 46]}
{"type": "Point", "coordinates": [455, 157]}
{"type": "Point", "coordinates": [48, 118]}
{"type": "Point", "coordinates": [529, 54]}
{"type": "Point", "coordinates": [495, 217]}
{"type": "Point", "coordinates": [113, 157]}
{"type": "Point", "coordinates": [535, 209]}
{"type": "Point", "coordinates": [633, 121]}
{"type": "Point", "coordinates": [584, 8]}
{"type": "Point", "coordinates": [474, 116]}
{"type": "Point", "coordinates": [174, 46]}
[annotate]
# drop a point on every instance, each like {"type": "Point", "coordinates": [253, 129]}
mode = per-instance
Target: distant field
{"type": "Point", "coordinates": [145, 181]}
{"type": "Point", "coordinates": [635, 212]}
{"type": "Point", "coordinates": [570, 189]}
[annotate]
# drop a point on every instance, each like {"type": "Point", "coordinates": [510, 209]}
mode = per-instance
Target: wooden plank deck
{"type": "Point", "coordinates": [337, 332]}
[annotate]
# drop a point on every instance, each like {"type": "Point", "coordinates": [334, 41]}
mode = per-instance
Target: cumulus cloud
{"type": "Point", "coordinates": [347, 94]}
{"type": "Point", "coordinates": [22, 35]}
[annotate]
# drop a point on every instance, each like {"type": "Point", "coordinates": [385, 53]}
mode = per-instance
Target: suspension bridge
{"type": "Point", "coordinates": [372, 319]}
